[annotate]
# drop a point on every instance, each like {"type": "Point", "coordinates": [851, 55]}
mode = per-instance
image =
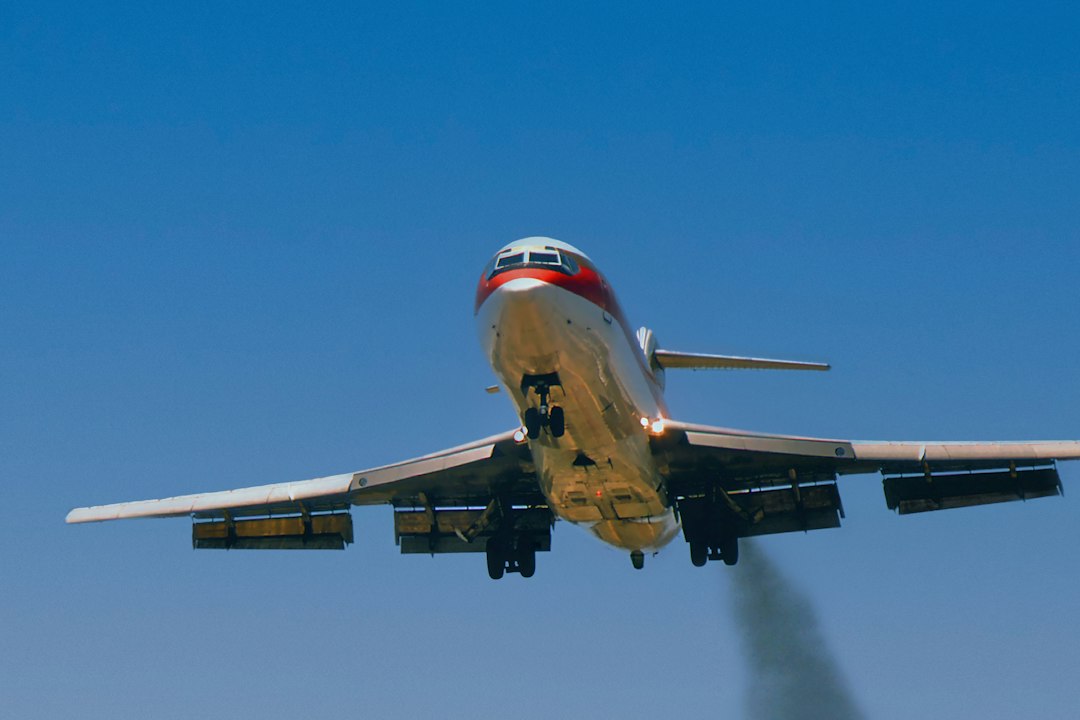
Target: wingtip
{"type": "Point", "coordinates": [77, 516]}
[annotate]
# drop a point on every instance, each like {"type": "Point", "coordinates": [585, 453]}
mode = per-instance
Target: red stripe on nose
{"type": "Point", "coordinates": [586, 282]}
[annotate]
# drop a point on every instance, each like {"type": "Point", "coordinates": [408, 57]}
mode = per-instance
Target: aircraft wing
{"type": "Point", "coordinates": [779, 483]}
{"type": "Point", "coordinates": [314, 513]}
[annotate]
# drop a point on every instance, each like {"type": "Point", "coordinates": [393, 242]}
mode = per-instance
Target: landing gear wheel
{"type": "Point", "coordinates": [699, 553]}
{"type": "Point", "coordinates": [729, 550]}
{"type": "Point", "coordinates": [556, 422]}
{"type": "Point", "coordinates": [532, 423]}
{"type": "Point", "coordinates": [638, 559]}
{"type": "Point", "coordinates": [495, 562]}
{"type": "Point", "coordinates": [526, 559]}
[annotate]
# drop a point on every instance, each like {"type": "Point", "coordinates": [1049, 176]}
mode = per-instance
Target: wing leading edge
{"type": "Point", "coordinates": [449, 501]}
{"type": "Point", "coordinates": [855, 457]}
{"type": "Point", "coordinates": [471, 472]}
{"type": "Point", "coordinates": [318, 494]}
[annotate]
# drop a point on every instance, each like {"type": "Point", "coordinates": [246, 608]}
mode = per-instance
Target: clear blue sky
{"type": "Point", "coordinates": [239, 245]}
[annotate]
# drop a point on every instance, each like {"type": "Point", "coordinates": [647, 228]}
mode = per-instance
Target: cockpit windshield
{"type": "Point", "coordinates": [510, 260]}
{"type": "Point", "coordinates": [547, 257]}
{"type": "Point", "coordinates": [544, 258]}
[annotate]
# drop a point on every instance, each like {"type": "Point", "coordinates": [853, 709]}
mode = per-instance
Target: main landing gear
{"type": "Point", "coordinates": [505, 555]}
{"type": "Point", "coordinates": [536, 419]}
{"type": "Point", "coordinates": [711, 526]}
{"type": "Point", "coordinates": [727, 550]}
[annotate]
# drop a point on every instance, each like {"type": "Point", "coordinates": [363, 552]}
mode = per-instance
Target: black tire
{"type": "Point", "coordinates": [699, 553]}
{"type": "Point", "coordinates": [637, 558]}
{"type": "Point", "coordinates": [729, 550]}
{"type": "Point", "coordinates": [557, 422]}
{"type": "Point", "coordinates": [526, 559]}
{"type": "Point", "coordinates": [495, 563]}
{"type": "Point", "coordinates": [532, 423]}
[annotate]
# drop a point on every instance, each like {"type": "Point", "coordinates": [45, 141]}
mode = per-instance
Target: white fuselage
{"type": "Point", "coordinates": [600, 473]}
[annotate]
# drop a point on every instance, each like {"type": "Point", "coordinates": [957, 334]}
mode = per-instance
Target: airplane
{"type": "Point", "coordinates": [597, 447]}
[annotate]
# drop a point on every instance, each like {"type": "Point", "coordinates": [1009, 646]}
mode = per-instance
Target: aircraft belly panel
{"type": "Point", "coordinates": [601, 472]}
{"type": "Point", "coordinates": [537, 329]}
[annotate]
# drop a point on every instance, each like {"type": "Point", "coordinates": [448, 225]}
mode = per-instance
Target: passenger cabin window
{"type": "Point", "coordinates": [548, 258]}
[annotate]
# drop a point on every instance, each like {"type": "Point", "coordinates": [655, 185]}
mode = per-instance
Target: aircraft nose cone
{"type": "Point", "coordinates": [518, 313]}
{"type": "Point", "coordinates": [522, 300]}
{"type": "Point", "coordinates": [519, 288]}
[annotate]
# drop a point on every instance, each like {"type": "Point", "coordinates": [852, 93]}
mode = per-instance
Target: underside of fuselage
{"type": "Point", "coordinates": [597, 471]}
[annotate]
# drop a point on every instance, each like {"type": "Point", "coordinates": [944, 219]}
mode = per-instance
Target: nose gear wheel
{"type": "Point", "coordinates": [533, 423]}
{"type": "Point", "coordinates": [556, 422]}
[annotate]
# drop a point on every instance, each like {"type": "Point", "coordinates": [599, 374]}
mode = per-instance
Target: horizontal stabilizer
{"type": "Point", "coordinates": [668, 359]}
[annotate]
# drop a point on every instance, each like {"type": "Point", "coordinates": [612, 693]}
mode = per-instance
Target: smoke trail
{"type": "Point", "coordinates": [792, 674]}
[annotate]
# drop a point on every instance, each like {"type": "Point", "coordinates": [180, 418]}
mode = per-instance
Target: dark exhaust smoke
{"type": "Point", "coordinates": [792, 674]}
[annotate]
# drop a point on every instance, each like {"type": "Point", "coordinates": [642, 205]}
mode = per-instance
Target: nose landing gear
{"type": "Point", "coordinates": [551, 417]}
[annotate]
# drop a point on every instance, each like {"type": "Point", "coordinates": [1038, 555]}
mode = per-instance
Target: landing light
{"type": "Point", "coordinates": [519, 435]}
{"type": "Point", "coordinates": [653, 427]}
